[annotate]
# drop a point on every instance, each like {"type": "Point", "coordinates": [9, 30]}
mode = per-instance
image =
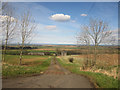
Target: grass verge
{"type": "Point", "coordinates": [34, 67]}
{"type": "Point", "coordinates": [98, 79]}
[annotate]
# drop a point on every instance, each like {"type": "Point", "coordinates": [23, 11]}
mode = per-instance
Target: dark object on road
{"type": "Point", "coordinates": [71, 60]}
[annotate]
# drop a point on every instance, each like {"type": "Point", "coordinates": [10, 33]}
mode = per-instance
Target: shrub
{"type": "Point", "coordinates": [71, 60]}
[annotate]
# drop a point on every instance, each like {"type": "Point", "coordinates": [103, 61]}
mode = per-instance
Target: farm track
{"type": "Point", "coordinates": [55, 77]}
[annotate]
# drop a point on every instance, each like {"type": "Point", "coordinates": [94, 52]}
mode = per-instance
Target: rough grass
{"type": "Point", "coordinates": [105, 63]}
{"type": "Point", "coordinates": [35, 66]}
{"type": "Point", "coordinates": [106, 59]}
{"type": "Point", "coordinates": [100, 80]}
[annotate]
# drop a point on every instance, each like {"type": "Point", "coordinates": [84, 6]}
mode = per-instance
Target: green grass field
{"type": "Point", "coordinates": [100, 80]}
{"type": "Point", "coordinates": [25, 52]}
{"type": "Point", "coordinates": [30, 65]}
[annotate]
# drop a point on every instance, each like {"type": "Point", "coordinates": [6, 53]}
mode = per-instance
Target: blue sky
{"type": "Point", "coordinates": [63, 29]}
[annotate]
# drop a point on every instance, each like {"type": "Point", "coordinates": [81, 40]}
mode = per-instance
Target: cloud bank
{"type": "Point", "coordinates": [60, 17]}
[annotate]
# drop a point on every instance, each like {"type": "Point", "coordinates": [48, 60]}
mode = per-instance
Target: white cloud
{"type": "Point", "coordinates": [84, 15]}
{"type": "Point", "coordinates": [60, 17]}
{"type": "Point", "coordinates": [51, 27]}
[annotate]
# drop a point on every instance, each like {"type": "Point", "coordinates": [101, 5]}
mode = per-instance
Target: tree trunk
{"type": "Point", "coordinates": [4, 52]}
{"type": "Point", "coordinates": [21, 57]}
{"type": "Point", "coordinates": [95, 55]}
{"type": "Point", "coordinates": [21, 53]}
{"type": "Point", "coordinates": [87, 58]}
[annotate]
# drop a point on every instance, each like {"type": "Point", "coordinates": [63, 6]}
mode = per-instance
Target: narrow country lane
{"type": "Point", "coordinates": [55, 77]}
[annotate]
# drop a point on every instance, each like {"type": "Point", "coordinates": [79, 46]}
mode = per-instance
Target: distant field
{"type": "Point", "coordinates": [73, 47]}
{"type": "Point", "coordinates": [71, 50]}
{"type": "Point", "coordinates": [30, 65]}
{"type": "Point", "coordinates": [14, 59]}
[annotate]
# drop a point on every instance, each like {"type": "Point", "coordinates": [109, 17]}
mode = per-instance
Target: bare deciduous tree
{"type": "Point", "coordinates": [9, 25]}
{"type": "Point", "coordinates": [95, 33]}
{"type": "Point", "coordinates": [26, 28]}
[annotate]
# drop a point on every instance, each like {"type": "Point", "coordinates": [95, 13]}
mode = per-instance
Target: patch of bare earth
{"type": "Point", "coordinates": [34, 59]}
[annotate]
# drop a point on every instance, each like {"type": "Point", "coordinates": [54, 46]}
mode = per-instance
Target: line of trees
{"type": "Point", "coordinates": [14, 27]}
